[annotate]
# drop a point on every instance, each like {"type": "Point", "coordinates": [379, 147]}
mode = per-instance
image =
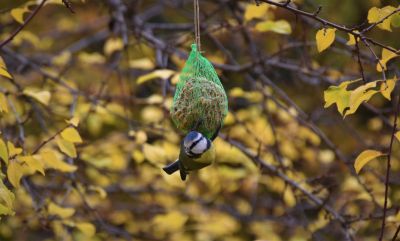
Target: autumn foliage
{"type": "Point", "coordinates": [309, 149]}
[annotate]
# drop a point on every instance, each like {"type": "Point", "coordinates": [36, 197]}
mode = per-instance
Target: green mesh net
{"type": "Point", "coordinates": [199, 96]}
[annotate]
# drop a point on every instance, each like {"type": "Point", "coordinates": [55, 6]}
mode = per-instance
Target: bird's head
{"type": "Point", "coordinates": [195, 144]}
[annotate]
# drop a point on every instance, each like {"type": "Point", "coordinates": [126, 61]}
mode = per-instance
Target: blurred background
{"type": "Point", "coordinates": [284, 167]}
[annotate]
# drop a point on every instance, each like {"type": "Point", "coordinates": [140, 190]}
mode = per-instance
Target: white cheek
{"type": "Point", "coordinates": [200, 147]}
{"type": "Point", "coordinates": [188, 144]}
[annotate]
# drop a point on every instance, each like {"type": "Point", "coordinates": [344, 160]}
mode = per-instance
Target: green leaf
{"type": "Point", "coordinates": [325, 38]}
{"type": "Point", "coordinates": [280, 26]}
{"type": "Point", "coordinates": [364, 157]}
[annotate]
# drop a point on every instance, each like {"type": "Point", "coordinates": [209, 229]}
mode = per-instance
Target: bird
{"type": "Point", "coordinates": [196, 152]}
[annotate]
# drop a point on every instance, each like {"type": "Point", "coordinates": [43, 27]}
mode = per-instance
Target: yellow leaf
{"type": "Point", "coordinates": [373, 15]}
{"type": "Point", "coordinates": [62, 59]}
{"type": "Point", "coordinates": [161, 73]}
{"type": "Point", "coordinates": [102, 193]}
{"type": "Point", "coordinates": [53, 161]}
{"type": "Point", "coordinates": [18, 14]}
{"type": "Point", "coordinates": [288, 197]}
{"type": "Point", "coordinates": [26, 36]}
{"type": "Point", "coordinates": [67, 147]}
{"type": "Point", "coordinates": [5, 210]}
{"type": "Point", "coordinates": [12, 150]}
{"type": "Point", "coordinates": [2, 63]}
{"type": "Point", "coordinates": [41, 96]}
{"type": "Point", "coordinates": [3, 103]}
{"type": "Point", "coordinates": [91, 58]}
{"type": "Point", "coordinates": [325, 38]}
{"type": "Point", "coordinates": [62, 212]}
{"type": "Point", "coordinates": [138, 156]}
{"type": "Point", "coordinates": [3, 151]}
{"type": "Point", "coordinates": [338, 95]}
{"type": "Point", "coordinates": [377, 14]}
{"type": "Point", "coordinates": [170, 222]}
{"type": "Point", "coordinates": [33, 164]}
{"type": "Point", "coordinates": [352, 40]}
{"type": "Point", "coordinates": [388, 87]}
{"type": "Point", "coordinates": [364, 157]}
{"type": "Point", "coordinates": [254, 11]}
{"type": "Point", "coordinates": [280, 26]}
{"type": "Point", "coordinates": [154, 154]}
{"type": "Point", "coordinates": [144, 63]}
{"type": "Point", "coordinates": [6, 196]}
{"type": "Point", "coordinates": [386, 56]}
{"type": "Point", "coordinates": [14, 173]}
{"type": "Point", "coordinates": [71, 134]}
{"type": "Point", "coordinates": [360, 95]}
{"type": "Point", "coordinates": [397, 135]}
{"type": "Point", "coordinates": [4, 72]}
{"type": "Point", "coordinates": [86, 228]}
{"type": "Point", "coordinates": [74, 121]}
{"type": "Point", "coordinates": [112, 45]}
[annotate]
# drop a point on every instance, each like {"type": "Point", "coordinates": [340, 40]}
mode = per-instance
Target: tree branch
{"type": "Point", "coordinates": [12, 36]}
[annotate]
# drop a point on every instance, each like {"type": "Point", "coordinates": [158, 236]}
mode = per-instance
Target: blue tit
{"type": "Point", "coordinates": [196, 152]}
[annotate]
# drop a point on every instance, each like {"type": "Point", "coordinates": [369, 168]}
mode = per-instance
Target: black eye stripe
{"type": "Point", "coordinates": [195, 143]}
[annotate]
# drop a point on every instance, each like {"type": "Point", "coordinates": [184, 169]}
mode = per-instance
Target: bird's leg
{"type": "Point", "coordinates": [216, 133]}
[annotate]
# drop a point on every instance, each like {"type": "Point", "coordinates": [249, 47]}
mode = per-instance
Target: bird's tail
{"type": "Point", "coordinates": [171, 168]}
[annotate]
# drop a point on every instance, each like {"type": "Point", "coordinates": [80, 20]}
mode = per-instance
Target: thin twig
{"type": "Point", "coordinates": [380, 21]}
{"type": "Point", "coordinates": [325, 23]}
{"type": "Point", "coordinates": [68, 5]}
{"type": "Point", "coordinates": [396, 113]}
{"type": "Point", "coordinates": [396, 233]}
{"type": "Point", "coordinates": [12, 36]}
{"type": "Point", "coordinates": [359, 62]}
